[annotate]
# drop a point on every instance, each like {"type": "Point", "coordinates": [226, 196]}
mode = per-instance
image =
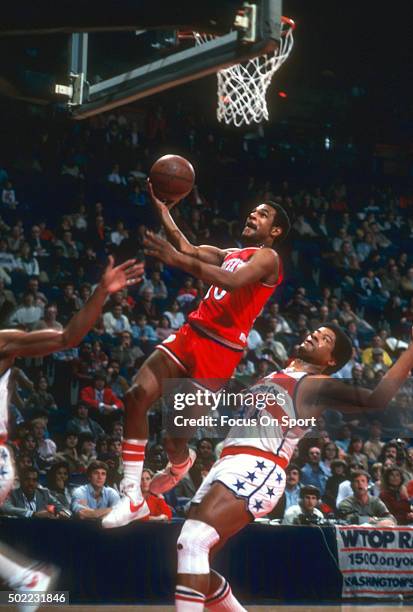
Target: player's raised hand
{"type": "Point", "coordinates": [126, 274]}
{"type": "Point", "coordinates": [160, 205]}
{"type": "Point", "coordinates": [155, 246]}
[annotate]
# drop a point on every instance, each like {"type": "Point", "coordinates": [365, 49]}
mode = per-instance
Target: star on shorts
{"type": "Point", "coordinates": [239, 484]}
{"type": "Point", "coordinates": [260, 465]}
{"type": "Point", "coordinates": [251, 476]}
{"type": "Point", "coordinates": [279, 478]}
{"type": "Point", "coordinates": [258, 505]}
{"type": "Point", "coordinates": [270, 492]}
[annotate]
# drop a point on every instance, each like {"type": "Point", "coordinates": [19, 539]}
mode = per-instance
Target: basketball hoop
{"type": "Point", "coordinates": [242, 87]}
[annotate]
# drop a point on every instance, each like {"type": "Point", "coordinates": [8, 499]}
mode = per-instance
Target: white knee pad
{"type": "Point", "coordinates": [194, 543]}
{"type": "Point", "coordinates": [6, 472]}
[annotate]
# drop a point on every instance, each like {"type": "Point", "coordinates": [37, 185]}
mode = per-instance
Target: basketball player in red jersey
{"type": "Point", "coordinates": [20, 574]}
{"type": "Point", "coordinates": [249, 478]}
{"type": "Point", "coordinates": [209, 346]}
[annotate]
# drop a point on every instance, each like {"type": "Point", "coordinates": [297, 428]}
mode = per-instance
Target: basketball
{"type": "Point", "coordinates": [172, 177]}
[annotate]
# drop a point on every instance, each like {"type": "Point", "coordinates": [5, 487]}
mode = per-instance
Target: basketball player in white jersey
{"type": "Point", "coordinates": [25, 575]}
{"type": "Point", "coordinates": [249, 478]}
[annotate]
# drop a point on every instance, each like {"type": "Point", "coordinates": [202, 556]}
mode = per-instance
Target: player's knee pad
{"type": "Point", "coordinates": [6, 472]}
{"type": "Point", "coordinates": [194, 543]}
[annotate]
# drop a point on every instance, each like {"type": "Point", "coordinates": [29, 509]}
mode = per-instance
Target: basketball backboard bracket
{"type": "Point", "coordinates": [255, 27]}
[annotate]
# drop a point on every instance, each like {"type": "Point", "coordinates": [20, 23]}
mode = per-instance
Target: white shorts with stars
{"type": "Point", "coordinates": [6, 472]}
{"type": "Point", "coordinates": [259, 481]}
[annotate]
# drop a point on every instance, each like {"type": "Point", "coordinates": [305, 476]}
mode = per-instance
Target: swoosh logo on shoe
{"type": "Point", "coordinates": [135, 507]}
{"type": "Point", "coordinates": [33, 582]}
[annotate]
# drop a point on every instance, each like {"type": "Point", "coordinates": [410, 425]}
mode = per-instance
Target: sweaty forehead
{"type": "Point", "coordinates": [265, 207]}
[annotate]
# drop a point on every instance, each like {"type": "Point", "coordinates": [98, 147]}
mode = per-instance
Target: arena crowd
{"type": "Point", "coordinates": [70, 194]}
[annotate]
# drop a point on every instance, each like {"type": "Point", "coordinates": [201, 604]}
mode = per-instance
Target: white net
{"type": "Point", "coordinates": [242, 88]}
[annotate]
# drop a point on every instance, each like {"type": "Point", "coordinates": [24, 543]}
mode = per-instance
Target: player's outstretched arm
{"type": "Point", "coordinates": [206, 253]}
{"type": "Point", "coordinates": [326, 392]}
{"type": "Point", "coordinates": [263, 264]}
{"type": "Point", "coordinates": [17, 343]}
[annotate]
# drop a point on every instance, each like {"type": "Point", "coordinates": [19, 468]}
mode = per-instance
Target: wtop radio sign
{"type": "Point", "coordinates": [376, 562]}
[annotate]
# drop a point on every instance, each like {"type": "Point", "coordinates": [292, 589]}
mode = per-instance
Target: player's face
{"type": "Point", "coordinates": [318, 347]}
{"type": "Point", "coordinates": [259, 225]}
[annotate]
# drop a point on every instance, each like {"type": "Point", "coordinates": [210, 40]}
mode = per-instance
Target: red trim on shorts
{"type": "Point", "coordinates": [256, 452]}
{"type": "Point", "coordinates": [3, 439]}
{"type": "Point", "coordinates": [172, 356]}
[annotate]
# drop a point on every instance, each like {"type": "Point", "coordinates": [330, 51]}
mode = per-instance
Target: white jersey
{"type": "Point", "coordinates": [269, 419]}
{"type": "Point", "coordinates": [4, 403]}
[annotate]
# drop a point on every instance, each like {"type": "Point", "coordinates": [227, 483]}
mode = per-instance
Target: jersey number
{"type": "Point", "coordinates": [218, 293]}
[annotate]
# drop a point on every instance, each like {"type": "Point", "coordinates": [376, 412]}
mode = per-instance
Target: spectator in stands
{"type": "Point", "coordinates": [68, 303]}
{"type": "Point", "coordinates": [156, 285]}
{"type": "Point", "coordinates": [46, 448]}
{"type": "Point", "coordinates": [373, 445]}
{"type": "Point", "coordinates": [26, 263]}
{"type": "Point", "coordinates": [376, 477]}
{"type": "Point", "coordinates": [393, 493]}
{"type": "Point", "coordinates": [49, 320]}
{"type": "Point", "coordinates": [393, 453]}
{"type": "Point", "coordinates": [338, 475]}
{"type": "Point", "coordinates": [144, 334]}
{"type": "Point", "coordinates": [126, 353]}
{"type": "Point", "coordinates": [115, 381]}
{"type": "Point", "coordinates": [361, 507]}
{"type": "Point", "coordinates": [28, 314]}
{"type": "Point", "coordinates": [116, 322]}
{"type": "Point", "coordinates": [367, 354]}
{"type": "Point", "coordinates": [146, 306]}
{"type": "Point", "coordinates": [164, 329]}
{"type": "Point", "coordinates": [30, 500]}
{"type": "Point", "coordinates": [158, 508]}
{"type": "Point", "coordinates": [69, 454]}
{"type": "Point", "coordinates": [345, 438]}
{"type": "Point", "coordinates": [94, 500]}
{"type": "Point", "coordinates": [86, 450]}
{"type": "Point", "coordinates": [57, 482]}
{"type": "Point", "coordinates": [175, 316]}
{"type": "Point", "coordinates": [344, 488]}
{"type": "Point", "coordinates": [306, 511]}
{"type": "Point", "coordinates": [81, 423]}
{"type": "Point", "coordinates": [313, 473]}
{"type": "Point", "coordinates": [355, 452]}
{"type": "Point", "coordinates": [100, 398]}
{"type": "Point", "coordinates": [119, 234]}
{"type": "Point", "coordinates": [41, 399]}
{"type": "Point", "coordinates": [329, 453]}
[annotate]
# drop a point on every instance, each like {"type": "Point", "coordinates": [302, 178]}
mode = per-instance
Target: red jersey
{"type": "Point", "coordinates": [230, 315]}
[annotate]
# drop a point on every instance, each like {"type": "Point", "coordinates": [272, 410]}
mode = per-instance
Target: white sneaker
{"type": "Point", "coordinates": [166, 479]}
{"type": "Point", "coordinates": [131, 507]}
{"type": "Point", "coordinates": [39, 578]}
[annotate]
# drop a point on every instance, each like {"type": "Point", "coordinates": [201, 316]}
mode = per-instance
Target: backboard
{"type": "Point", "coordinates": [131, 49]}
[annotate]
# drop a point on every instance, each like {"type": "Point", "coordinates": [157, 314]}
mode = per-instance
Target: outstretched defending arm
{"type": "Point", "coordinates": [326, 392]}
{"type": "Point", "coordinates": [17, 343]}
{"type": "Point", "coordinates": [262, 264]}
{"type": "Point", "coordinates": [206, 253]}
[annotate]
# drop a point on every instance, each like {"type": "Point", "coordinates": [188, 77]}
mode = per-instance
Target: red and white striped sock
{"type": "Point", "coordinates": [223, 600]}
{"type": "Point", "coordinates": [188, 600]}
{"type": "Point", "coordinates": [133, 455]}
